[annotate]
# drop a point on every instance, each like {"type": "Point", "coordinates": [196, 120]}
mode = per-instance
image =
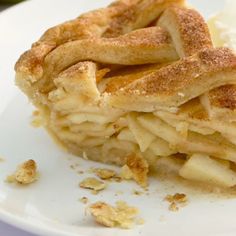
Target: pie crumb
{"type": "Point", "coordinates": [126, 173]}
{"type": "Point", "coordinates": [176, 200]}
{"type": "Point", "coordinates": [37, 120]}
{"type": "Point", "coordinates": [136, 168]}
{"type": "Point", "coordinates": [173, 207]}
{"type": "Point", "coordinates": [136, 192]}
{"type": "Point", "coordinates": [84, 200]}
{"type": "Point", "coordinates": [25, 173]}
{"type": "Point", "coordinates": [104, 173]}
{"type": "Point", "coordinates": [93, 184]}
{"type": "Point", "coordinates": [178, 197]}
{"type": "Point", "coordinates": [117, 179]}
{"type": "Point", "coordinates": [121, 215]}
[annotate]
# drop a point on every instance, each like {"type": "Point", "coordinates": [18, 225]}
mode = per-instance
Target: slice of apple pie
{"type": "Point", "coordinates": [138, 80]}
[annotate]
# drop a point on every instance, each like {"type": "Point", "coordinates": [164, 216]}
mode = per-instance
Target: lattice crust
{"type": "Point", "coordinates": [141, 78]}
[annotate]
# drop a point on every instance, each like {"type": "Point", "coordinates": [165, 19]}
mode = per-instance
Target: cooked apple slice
{"type": "Point", "coordinates": [143, 137]}
{"type": "Point", "coordinates": [205, 169]}
{"type": "Point", "coordinates": [126, 135]}
{"type": "Point", "coordinates": [161, 148]}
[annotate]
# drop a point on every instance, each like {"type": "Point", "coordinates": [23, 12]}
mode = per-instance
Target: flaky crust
{"type": "Point", "coordinates": [36, 68]}
{"type": "Point", "coordinates": [149, 45]}
{"type": "Point", "coordinates": [188, 30]}
{"type": "Point", "coordinates": [119, 18]}
{"type": "Point", "coordinates": [190, 34]}
{"type": "Point", "coordinates": [224, 97]}
{"type": "Point", "coordinates": [221, 103]}
{"type": "Point", "coordinates": [179, 82]}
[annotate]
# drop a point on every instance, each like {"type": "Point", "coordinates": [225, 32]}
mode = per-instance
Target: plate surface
{"type": "Point", "coordinates": [51, 206]}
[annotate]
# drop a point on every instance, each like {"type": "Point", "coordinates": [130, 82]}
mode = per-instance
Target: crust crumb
{"type": "Point", "coordinates": [25, 173]}
{"type": "Point", "coordinates": [84, 200]}
{"type": "Point", "coordinates": [126, 173]}
{"type": "Point", "coordinates": [117, 179]}
{"type": "Point", "coordinates": [136, 168]}
{"type": "Point", "coordinates": [93, 184]}
{"type": "Point", "coordinates": [178, 197]}
{"type": "Point", "coordinates": [104, 173]}
{"type": "Point", "coordinates": [37, 120]}
{"type": "Point", "coordinates": [121, 215]}
{"type": "Point", "coordinates": [138, 193]}
{"type": "Point", "coordinates": [176, 200]}
{"type": "Point", "coordinates": [173, 207]}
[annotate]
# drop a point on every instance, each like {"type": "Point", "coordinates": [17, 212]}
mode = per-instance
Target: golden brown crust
{"type": "Point", "coordinates": [79, 79]}
{"type": "Point", "coordinates": [220, 103]}
{"type": "Point", "coordinates": [90, 24]}
{"type": "Point", "coordinates": [36, 80]}
{"type": "Point", "coordinates": [87, 25]}
{"type": "Point", "coordinates": [179, 82]}
{"type": "Point", "coordinates": [30, 62]}
{"type": "Point", "coordinates": [222, 100]}
{"type": "Point", "coordinates": [224, 97]}
{"type": "Point", "coordinates": [194, 110]}
{"type": "Point", "coordinates": [131, 18]}
{"type": "Point", "coordinates": [149, 45]}
{"type": "Point", "coordinates": [127, 76]}
{"type": "Point", "coordinates": [188, 30]}
{"type": "Point", "coordinates": [94, 23]}
{"type": "Point", "coordinates": [218, 59]}
{"type": "Point", "coordinates": [191, 34]}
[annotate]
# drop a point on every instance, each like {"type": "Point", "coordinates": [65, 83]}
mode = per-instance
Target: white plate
{"type": "Point", "coordinates": [51, 206]}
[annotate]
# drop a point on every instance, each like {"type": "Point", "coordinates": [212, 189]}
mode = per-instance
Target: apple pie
{"type": "Point", "coordinates": [139, 78]}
